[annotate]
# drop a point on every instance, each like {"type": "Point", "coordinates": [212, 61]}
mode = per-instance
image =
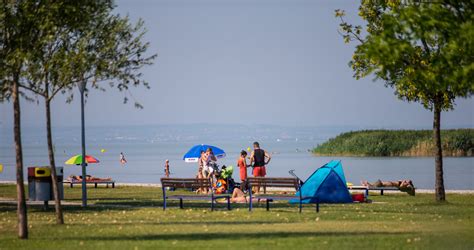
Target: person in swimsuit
{"type": "Point", "coordinates": [238, 196]}
{"type": "Point", "coordinates": [77, 178]}
{"type": "Point", "coordinates": [242, 164]}
{"type": "Point", "coordinates": [403, 185]}
{"type": "Point", "coordinates": [167, 168]}
{"type": "Point", "coordinates": [207, 159]}
{"type": "Point", "coordinates": [259, 158]}
{"type": "Point", "coordinates": [122, 159]}
{"type": "Point", "coordinates": [200, 173]}
{"type": "Point", "coordinates": [201, 165]}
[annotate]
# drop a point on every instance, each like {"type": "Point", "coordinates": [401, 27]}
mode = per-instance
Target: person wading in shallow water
{"type": "Point", "coordinates": [259, 158]}
{"type": "Point", "coordinates": [123, 161]}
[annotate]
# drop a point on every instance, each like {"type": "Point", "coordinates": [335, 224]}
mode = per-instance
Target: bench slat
{"type": "Point", "coordinates": [195, 197]}
{"type": "Point", "coordinates": [185, 182]}
{"type": "Point", "coordinates": [273, 182]}
{"type": "Point", "coordinates": [273, 185]}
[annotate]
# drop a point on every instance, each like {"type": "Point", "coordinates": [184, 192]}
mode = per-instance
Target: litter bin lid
{"type": "Point", "coordinates": [42, 172]}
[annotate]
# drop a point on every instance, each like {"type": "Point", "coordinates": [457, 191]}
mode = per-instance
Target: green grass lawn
{"type": "Point", "coordinates": [132, 218]}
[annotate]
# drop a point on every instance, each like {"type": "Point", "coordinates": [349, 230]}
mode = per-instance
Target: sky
{"type": "Point", "coordinates": [279, 62]}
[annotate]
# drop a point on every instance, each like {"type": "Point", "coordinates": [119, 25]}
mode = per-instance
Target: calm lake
{"type": "Point", "coordinates": [147, 147]}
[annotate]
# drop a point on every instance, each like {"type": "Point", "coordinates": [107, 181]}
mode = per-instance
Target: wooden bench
{"type": "Point", "coordinates": [381, 189]}
{"type": "Point", "coordinates": [264, 182]}
{"type": "Point", "coordinates": [72, 183]}
{"type": "Point", "coordinates": [194, 184]}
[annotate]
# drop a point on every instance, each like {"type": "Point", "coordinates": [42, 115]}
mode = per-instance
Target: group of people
{"type": "Point", "coordinates": [207, 164]}
{"type": "Point", "coordinates": [259, 158]}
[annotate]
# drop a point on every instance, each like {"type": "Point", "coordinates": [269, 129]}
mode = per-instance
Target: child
{"type": "Point", "coordinates": [242, 164]}
{"type": "Point", "coordinates": [167, 168]}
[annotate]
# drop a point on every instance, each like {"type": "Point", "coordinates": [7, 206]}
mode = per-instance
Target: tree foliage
{"type": "Point", "coordinates": [424, 50]}
{"type": "Point", "coordinates": [29, 30]}
{"type": "Point", "coordinates": [104, 49]}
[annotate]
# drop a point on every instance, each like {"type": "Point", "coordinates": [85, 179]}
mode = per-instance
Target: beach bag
{"type": "Point", "coordinates": [220, 186]}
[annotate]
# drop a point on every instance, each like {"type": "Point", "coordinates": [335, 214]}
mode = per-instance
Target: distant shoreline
{"type": "Point", "coordinates": [397, 143]}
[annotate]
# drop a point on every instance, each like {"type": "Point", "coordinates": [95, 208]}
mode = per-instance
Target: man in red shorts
{"type": "Point", "coordinates": [258, 159]}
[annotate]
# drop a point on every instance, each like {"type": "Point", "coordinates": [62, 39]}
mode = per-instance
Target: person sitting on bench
{"type": "Point", "coordinates": [403, 185]}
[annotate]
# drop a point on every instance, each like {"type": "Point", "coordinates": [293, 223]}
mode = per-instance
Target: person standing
{"type": "Point", "coordinates": [259, 158]}
{"type": "Point", "coordinates": [208, 161]}
{"type": "Point", "coordinates": [167, 168]}
{"type": "Point", "coordinates": [200, 166]}
{"type": "Point", "coordinates": [242, 164]}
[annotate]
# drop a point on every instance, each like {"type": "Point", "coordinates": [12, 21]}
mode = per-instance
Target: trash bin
{"type": "Point", "coordinates": [40, 187]}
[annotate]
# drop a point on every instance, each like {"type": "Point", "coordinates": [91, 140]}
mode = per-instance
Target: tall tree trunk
{"type": "Point", "coordinates": [20, 187]}
{"type": "Point", "coordinates": [439, 185]}
{"type": "Point", "coordinates": [57, 200]}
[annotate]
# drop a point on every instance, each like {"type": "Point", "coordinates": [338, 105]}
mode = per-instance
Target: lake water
{"type": "Point", "coordinates": [147, 147]}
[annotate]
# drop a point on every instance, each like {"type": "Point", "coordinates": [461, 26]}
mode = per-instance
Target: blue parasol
{"type": "Point", "coordinates": [195, 152]}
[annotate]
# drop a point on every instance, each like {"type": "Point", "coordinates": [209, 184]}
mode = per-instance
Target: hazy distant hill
{"type": "Point", "coordinates": [458, 142]}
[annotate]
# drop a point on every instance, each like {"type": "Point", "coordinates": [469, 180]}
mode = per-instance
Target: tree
{"type": "Point", "coordinates": [54, 22]}
{"type": "Point", "coordinates": [424, 50]}
{"type": "Point", "coordinates": [16, 36]}
{"type": "Point", "coordinates": [48, 47]}
{"type": "Point", "coordinates": [86, 37]}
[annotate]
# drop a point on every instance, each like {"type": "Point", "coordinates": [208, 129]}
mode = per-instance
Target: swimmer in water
{"type": "Point", "coordinates": [122, 159]}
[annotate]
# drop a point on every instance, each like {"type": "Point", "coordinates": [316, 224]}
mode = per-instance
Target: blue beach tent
{"type": "Point", "coordinates": [327, 184]}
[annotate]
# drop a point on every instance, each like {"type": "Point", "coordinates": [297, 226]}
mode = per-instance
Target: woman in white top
{"type": "Point", "coordinates": [206, 159]}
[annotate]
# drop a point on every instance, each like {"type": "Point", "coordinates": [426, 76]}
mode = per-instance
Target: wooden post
{"type": "Point", "coordinates": [250, 195]}
{"type": "Point", "coordinates": [164, 195]}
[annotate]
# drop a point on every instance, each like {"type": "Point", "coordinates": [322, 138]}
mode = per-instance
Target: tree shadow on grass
{"type": "Point", "coordinates": [94, 208]}
{"type": "Point", "coordinates": [235, 236]}
{"type": "Point", "coordinates": [7, 207]}
{"type": "Point", "coordinates": [108, 199]}
{"type": "Point", "coordinates": [197, 223]}
{"type": "Point", "coordinates": [174, 204]}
